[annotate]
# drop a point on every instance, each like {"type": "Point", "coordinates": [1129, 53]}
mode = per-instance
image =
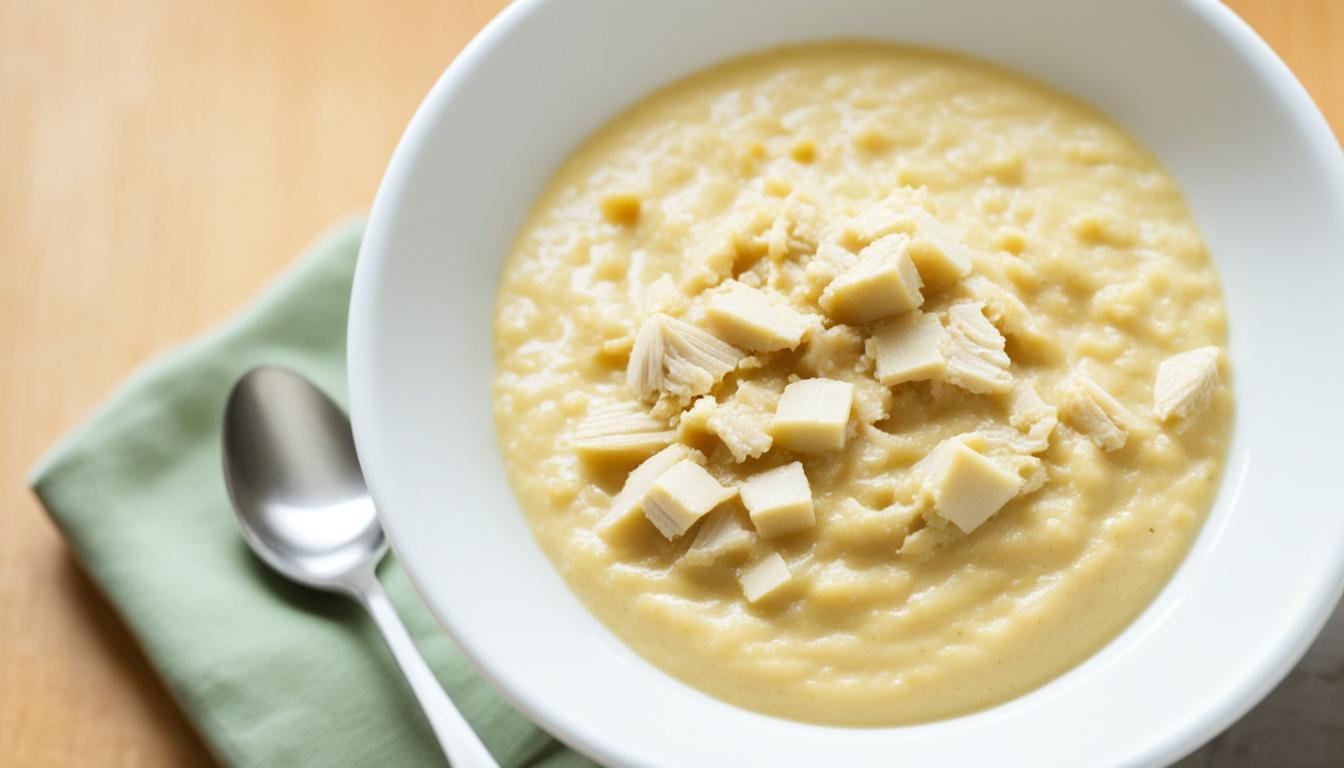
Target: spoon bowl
{"type": "Point", "coordinates": [294, 478]}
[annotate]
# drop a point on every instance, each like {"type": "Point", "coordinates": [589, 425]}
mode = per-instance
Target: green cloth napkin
{"type": "Point", "coordinates": [271, 674]}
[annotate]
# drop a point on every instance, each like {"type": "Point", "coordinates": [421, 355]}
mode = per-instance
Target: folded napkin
{"type": "Point", "coordinates": [271, 674]}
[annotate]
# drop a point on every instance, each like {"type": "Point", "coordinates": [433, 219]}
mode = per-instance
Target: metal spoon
{"type": "Point", "coordinates": [292, 472]}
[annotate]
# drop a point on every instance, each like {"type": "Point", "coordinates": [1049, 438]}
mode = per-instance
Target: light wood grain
{"type": "Point", "coordinates": [159, 161]}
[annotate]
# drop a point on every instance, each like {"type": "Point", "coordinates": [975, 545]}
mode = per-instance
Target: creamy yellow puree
{"type": "Point", "coordinates": [745, 170]}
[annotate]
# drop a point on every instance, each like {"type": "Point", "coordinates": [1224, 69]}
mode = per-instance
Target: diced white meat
{"type": "Point", "coordinates": [748, 318]}
{"type": "Point", "coordinates": [626, 506]}
{"type": "Point", "coordinates": [909, 348]}
{"type": "Point", "coordinates": [939, 256]}
{"type": "Point", "coordinates": [1094, 412]}
{"type": "Point", "coordinates": [966, 486]}
{"type": "Point", "coordinates": [720, 535]}
{"type": "Point", "coordinates": [621, 430]}
{"type": "Point", "coordinates": [764, 578]}
{"type": "Point", "coordinates": [682, 495]}
{"type": "Point", "coordinates": [1033, 417]}
{"type": "Point", "coordinates": [812, 415]}
{"type": "Point", "coordinates": [675, 357]}
{"type": "Point", "coordinates": [883, 282]}
{"type": "Point", "coordinates": [1185, 382]}
{"type": "Point", "coordinates": [974, 350]}
{"type": "Point", "coordinates": [779, 500]}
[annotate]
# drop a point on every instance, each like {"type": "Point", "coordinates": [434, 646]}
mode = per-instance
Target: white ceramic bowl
{"type": "Point", "coordinates": [1262, 173]}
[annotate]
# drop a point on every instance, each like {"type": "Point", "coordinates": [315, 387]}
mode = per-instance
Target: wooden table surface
{"type": "Point", "coordinates": [160, 160]}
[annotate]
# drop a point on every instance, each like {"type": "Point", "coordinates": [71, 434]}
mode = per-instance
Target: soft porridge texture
{"type": "Point", "coordinates": [1024, 392]}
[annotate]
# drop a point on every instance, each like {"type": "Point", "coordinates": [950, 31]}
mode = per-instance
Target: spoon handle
{"type": "Point", "coordinates": [459, 742]}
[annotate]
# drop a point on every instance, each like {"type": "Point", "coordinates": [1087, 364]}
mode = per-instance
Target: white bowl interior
{"type": "Point", "coordinates": [1265, 180]}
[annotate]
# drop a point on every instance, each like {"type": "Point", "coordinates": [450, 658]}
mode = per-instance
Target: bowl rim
{"type": "Point", "coordinates": [1252, 686]}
